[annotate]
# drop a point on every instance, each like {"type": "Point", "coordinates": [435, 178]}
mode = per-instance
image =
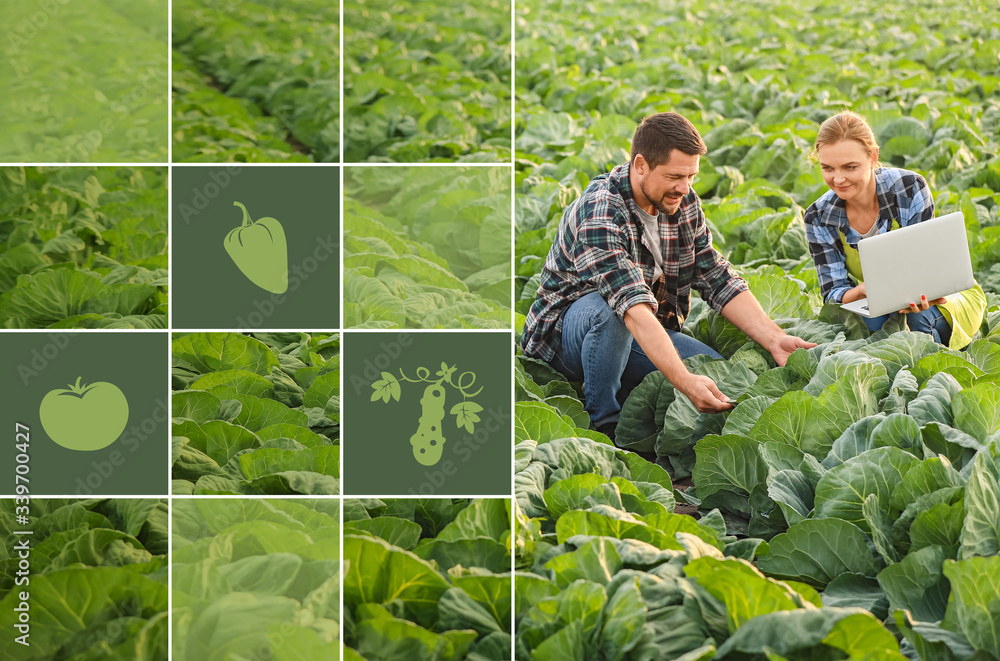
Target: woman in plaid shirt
{"type": "Point", "coordinates": [866, 199]}
{"type": "Point", "coordinates": [616, 285]}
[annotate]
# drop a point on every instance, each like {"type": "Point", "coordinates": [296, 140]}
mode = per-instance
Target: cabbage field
{"type": "Point", "coordinates": [847, 508]}
{"type": "Point", "coordinates": [427, 81]}
{"type": "Point", "coordinates": [427, 579]}
{"type": "Point", "coordinates": [256, 81]}
{"type": "Point", "coordinates": [96, 579]}
{"type": "Point", "coordinates": [427, 247]}
{"type": "Point", "coordinates": [84, 81]}
{"type": "Point", "coordinates": [256, 414]}
{"type": "Point", "coordinates": [255, 579]}
{"type": "Point", "coordinates": [83, 247]}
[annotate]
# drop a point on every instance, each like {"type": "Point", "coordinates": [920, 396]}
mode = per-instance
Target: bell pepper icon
{"type": "Point", "coordinates": [259, 250]}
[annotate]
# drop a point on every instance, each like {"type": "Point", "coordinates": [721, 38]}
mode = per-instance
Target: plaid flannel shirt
{"type": "Point", "coordinates": [600, 246]}
{"type": "Point", "coordinates": [902, 196]}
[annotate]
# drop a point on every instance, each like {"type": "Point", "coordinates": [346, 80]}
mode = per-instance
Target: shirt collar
{"type": "Point", "coordinates": [835, 215]}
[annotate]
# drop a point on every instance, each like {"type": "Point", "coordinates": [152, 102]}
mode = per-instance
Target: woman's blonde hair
{"type": "Point", "coordinates": [846, 125]}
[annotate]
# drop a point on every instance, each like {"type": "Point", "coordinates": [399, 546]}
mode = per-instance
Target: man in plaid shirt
{"type": "Point", "coordinates": [616, 285]}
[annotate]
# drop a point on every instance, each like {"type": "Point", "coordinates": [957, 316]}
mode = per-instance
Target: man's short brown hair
{"type": "Point", "coordinates": [657, 135]}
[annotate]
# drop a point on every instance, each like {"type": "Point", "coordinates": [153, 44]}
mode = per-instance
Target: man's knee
{"type": "Point", "coordinates": [701, 348]}
{"type": "Point", "coordinates": [688, 346]}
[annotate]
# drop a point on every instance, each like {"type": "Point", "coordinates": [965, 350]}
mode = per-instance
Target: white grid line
{"type": "Point", "coordinates": [169, 497]}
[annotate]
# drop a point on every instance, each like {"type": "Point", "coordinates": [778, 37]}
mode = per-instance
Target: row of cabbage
{"type": "Point", "coordinates": [284, 59]}
{"type": "Point", "coordinates": [427, 247]}
{"type": "Point", "coordinates": [256, 414]}
{"type": "Point", "coordinates": [427, 82]}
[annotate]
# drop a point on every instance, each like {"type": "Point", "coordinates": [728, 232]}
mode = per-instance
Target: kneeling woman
{"type": "Point", "coordinates": [866, 199]}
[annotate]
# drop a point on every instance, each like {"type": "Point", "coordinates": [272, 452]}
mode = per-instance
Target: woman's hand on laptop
{"type": "Point", "coordinates": [923, 305]}
{"type": "Point", "coordinates": [854, 294]}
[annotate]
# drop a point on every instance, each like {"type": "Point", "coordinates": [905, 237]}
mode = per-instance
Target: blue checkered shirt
{"type": "Point", "coordinates": [902, 196]}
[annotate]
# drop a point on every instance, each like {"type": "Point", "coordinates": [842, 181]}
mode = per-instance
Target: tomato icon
{"type": "Point", "coordinates": [84, 417]}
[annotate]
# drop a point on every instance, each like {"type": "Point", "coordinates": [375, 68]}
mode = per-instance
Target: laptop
{"type": "Point", "coordinates": [930, 258]}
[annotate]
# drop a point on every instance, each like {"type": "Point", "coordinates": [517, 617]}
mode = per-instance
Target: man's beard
{"type": "Point", "coordinates": [658, 204]}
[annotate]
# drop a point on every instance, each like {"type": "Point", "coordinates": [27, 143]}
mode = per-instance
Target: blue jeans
{"type": "Point", "coordinates": [598, 348]}
{"type": "Point", "coordinates": [929, 321]}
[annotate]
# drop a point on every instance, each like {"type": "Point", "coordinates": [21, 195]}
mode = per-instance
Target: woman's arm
{"type": "Point", "coordinates": [828, 256]}
{"type": "Point", "coordinates": [854, 294]}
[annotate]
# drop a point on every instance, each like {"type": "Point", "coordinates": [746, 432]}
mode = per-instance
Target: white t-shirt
{"type": "Point", "coordinates": [651, 236]}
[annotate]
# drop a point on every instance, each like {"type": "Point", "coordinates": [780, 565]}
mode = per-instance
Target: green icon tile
{"type": "Point", "coordinates": [92, 410]}
{"type": "Point", "coordinates": [256, 247]}
{"type": "Point", "coordinates": [427, 413]}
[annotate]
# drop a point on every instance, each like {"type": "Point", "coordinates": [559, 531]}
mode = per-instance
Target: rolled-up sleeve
{"type": "Point", "coordinates": [714, 277]}
{"type": "Point", "coordinates": [831, 267]}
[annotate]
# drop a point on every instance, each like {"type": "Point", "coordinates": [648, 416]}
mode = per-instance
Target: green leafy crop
{"type": "Point", "coordinates": [84, 81]}
{"type": "Point", "coordinates": [255, 577]}
{"type": "Point", "coordinates": [846, 508]}
{"type": "Point", "coordinates": [256, 414]}
{"type": "Point", "coordinates": [257, 58]}
{"type": "Point", "coordinates": [427, 81]}
{"type": "Point", "coordinates": [427, 248]}
{"type": "Point", "coordinates": [96, 579]}
{"type": "Point", "coordinates": [83, 247]}
{"type": "Point", "coordinates": [427, 579]}
{"type": "Point", "coordinates": [757, 95]}
{"type": "Point", "coordinates": [610, 572]}
{"type": "Point", "coordinates": [212, 127]}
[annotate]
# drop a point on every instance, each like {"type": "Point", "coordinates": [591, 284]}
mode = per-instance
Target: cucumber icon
{"type": "Point", "coordinates": [428, 440]}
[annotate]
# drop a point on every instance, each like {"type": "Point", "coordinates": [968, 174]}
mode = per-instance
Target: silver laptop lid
{"type": "Point", "coordinates": [930, 258]}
